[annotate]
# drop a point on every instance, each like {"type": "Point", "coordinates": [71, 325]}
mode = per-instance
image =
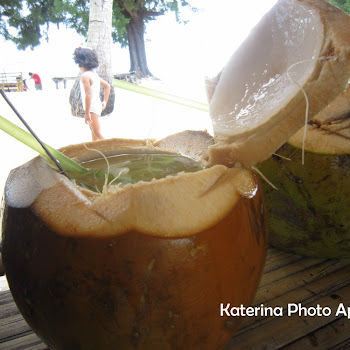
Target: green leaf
{"type": "Point", "coordinates": [26, 138]}
{"type": "Point", "coordinates": [161, 95]}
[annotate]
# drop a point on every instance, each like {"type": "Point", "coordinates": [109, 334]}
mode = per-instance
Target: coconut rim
{"type": "Point", "coordinates": [190, 202]}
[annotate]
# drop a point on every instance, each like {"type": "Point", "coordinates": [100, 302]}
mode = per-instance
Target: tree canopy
{"type": "Point", "coordinates": [342, 4]}
{"type": "Point", "coordinates": [26, 22]}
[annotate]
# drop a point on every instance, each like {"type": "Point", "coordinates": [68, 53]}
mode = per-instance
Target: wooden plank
{"type": "Point", "coordinates": [326, 285]}
{"type": "Point", "coordinates": [276, 259]}
{"type": "Point", "coordinates": [15, 334]}
{"type": "Point", "coordinates": [5, 297]}
{"type": "Point", "coordinates": [25, 342]}
{"type": "Point", "coordinates": [278, 332]}
{"type": "Point", "coordinates": [12, 326]}
{"type": "Point", "coordinates": [345, 345]}
{"type": "Point", "coordinates": [325, 337]}
{"type": "Point", "coordinates": [9, 87]}
{"type": "Point", "coordinates": [289, 270]}
{"type": "Point", "coordinates": [8, 310]}
{"type": "Point", "coordinates": [281, 286]}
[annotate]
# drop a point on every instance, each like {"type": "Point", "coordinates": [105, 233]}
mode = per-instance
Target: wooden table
{"type": "Point", "coordinates": [63, 80]}
{"type": "Point", "coordinates": [288, 279]}
{"type": "Point", "coordinates": [12, 81]}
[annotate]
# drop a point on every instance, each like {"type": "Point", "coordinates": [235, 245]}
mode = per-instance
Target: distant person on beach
{"type": "Point", "coordinates": [90, 85]}
{"type": "Point", "coordinates": [37, 80]}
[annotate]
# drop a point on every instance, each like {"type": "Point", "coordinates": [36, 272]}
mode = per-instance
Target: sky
{"type": "Point", "coordinates": [174, 51]}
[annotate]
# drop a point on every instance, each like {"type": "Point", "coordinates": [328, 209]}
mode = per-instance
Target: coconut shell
{"type": "Point", "coordinates": [157, 280]}
{"type": "Point", "coordinates": [309, 212]}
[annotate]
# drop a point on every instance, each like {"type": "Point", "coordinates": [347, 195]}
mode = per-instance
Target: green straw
{"type": "Point", "coordinates": [29, 140]}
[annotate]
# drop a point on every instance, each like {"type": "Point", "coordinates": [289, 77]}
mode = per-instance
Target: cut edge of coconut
{"type": "Point", "coordinates": [327, 75]}
{"type": "Point", "coordinates": [173, 206]}
{"type": "Point", "coordinates": [83, 150]}
{"type": "Point", "coordinates": [178, 205]}
{"type": "Point", "coordinates": [191, 143]}
{"type": "Point", "coordinates": [320, 141]}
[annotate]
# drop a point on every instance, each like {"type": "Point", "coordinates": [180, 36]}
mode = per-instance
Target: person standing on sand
{"type": "Point", "coordinates": [90, 85]}
{"type": "Point", "coordinates": [37, 80]}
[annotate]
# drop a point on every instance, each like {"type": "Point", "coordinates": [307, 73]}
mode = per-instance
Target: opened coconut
{"type": "Point", "coordinates": [307, 179]}
{"type": "Point", "coordinates": [148, 262]}
{"type": "Point", "coordinates": [139, 266]}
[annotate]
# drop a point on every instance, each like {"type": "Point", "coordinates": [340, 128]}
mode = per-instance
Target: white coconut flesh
{"type": "Point", "coordinates": [257, 101]}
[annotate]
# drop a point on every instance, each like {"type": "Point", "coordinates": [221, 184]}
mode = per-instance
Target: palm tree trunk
{"type": "Point", "coordinates": [100, 40]}
{"type": "Point", "coordinates": [138, 61]}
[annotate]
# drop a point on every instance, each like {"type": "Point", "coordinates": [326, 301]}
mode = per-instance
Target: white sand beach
{"type": "Point", "coordinates": [48, 114]}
